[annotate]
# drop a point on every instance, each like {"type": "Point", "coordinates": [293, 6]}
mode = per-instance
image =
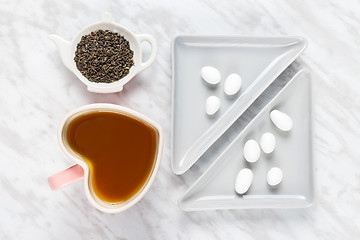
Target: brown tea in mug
{"type": "Point", "coordinates": [119, 149]}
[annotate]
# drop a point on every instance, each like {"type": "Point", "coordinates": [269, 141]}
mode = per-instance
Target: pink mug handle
{"type": "Point", "coordinates": [66, 177]}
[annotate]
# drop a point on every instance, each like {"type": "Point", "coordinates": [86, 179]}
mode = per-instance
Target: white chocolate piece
{"type": "Point", "coordinates": [212, 105]}
{"type": "Point", "coordinates": [274, 176]}
{"type": "Point", "coordinates": [268, 142]}
{"type": "Point", "coordinates": [251, 151]}
{"type": "Point", "coordinates": [281, 120]}
{"type": "Point", "coordinates": [243, 180]}
{"type": "Point", "coordinates": [232, 84]}
{"type": "Point", "coordinates": [211, 75]}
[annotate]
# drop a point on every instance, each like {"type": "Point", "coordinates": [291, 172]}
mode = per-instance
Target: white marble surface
{"type": "Point", "coordinates": [37, 91]}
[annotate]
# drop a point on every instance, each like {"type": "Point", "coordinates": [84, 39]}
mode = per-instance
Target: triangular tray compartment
{"type": "Point", "coordinates": [293, 154]}
{"type": "Point", "coordinates": [258, 60]}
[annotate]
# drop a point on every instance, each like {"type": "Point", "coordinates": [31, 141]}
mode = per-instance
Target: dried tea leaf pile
{"type": "Point", "coordinates": [104, 56]}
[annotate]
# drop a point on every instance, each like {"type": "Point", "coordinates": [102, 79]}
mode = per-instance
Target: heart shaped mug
{"type": "Point", "coordinates": [82, 170]}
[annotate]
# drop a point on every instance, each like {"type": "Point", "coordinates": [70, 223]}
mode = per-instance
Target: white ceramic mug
{"type": "Point", "coordinates": [81, 169]}
{"type": "Point", "coordinates": [67, 53]}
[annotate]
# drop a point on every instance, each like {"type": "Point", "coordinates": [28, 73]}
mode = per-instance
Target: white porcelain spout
{"type": "Point", "coordinates": [64, 48]}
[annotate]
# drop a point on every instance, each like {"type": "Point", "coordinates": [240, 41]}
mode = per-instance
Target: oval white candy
{"type": "Point", "coordinates": [274, 176]}
{"type": "Point", "coordinates": [232, 84]}
{"type": "Point", "coordinates": [268, 142]}
{"type": "Point", "coordinates": [251, 151]}
{"type": "Point", "coordinates": [211, 75]}
{"type": "Point", "coordinates": [212, 105]}
{"type": "Point", "coordinates": [243, 180]}
{"type": "Point", "coordinates": [281, 120]}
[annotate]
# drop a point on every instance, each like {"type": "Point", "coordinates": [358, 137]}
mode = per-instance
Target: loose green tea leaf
{"type": "Point", "coordinates": [104, 56]}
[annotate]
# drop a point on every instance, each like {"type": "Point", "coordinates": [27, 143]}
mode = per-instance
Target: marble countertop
{"type": "Point", "coordinates": [37, 92]}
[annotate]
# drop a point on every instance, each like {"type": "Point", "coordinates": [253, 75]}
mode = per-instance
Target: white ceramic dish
{"type": "Point", "coordinates": [258, 60]}
{"type": "Point", "coordinates": [293, 154]}
{"type": "Point", "coordinates": [67, 53]}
